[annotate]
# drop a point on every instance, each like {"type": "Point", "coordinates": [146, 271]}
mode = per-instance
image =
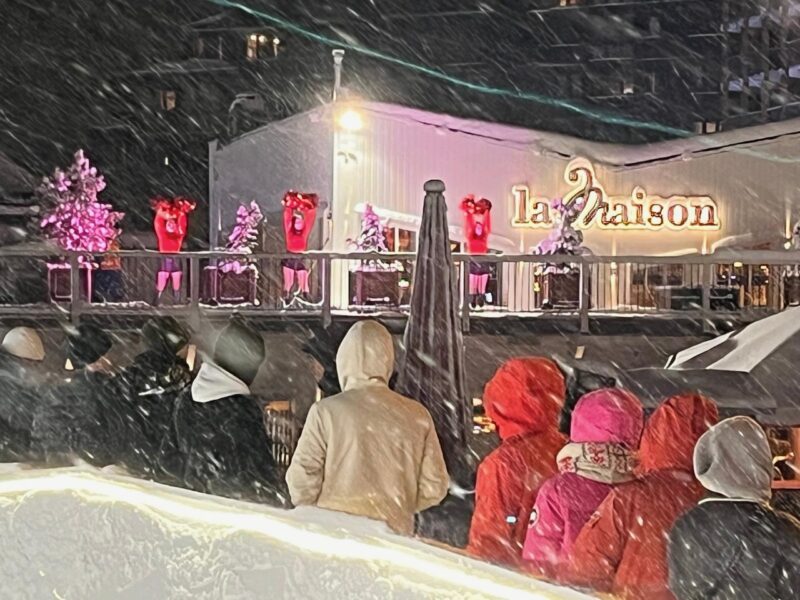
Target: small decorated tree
{"type": "Point", "coordinates": [244, 236]}
{"type": "Point", "coordinates": [74, 218]}
{"type": "Point", "coordinates": [563, 238]}
{"type": "Point", "coordinates": [371, 238]}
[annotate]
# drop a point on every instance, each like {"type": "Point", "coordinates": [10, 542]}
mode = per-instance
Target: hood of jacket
{"type": "Point", "coordinates": [733, 459]}
{"type": "Point", "coordinates": [608, 416]}
{"type": "Point", "coordinates": [365, 356]}
{"type": "Point", "coordinates": [525, 396]}
{"type": "Point", "coordinates": [672, 431]}
{"type": "Point", "coordinates": [213, 383]}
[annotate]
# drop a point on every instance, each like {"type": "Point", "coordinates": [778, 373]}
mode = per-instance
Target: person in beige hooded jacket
{"type": "Point", "coordinates": [368, 451]}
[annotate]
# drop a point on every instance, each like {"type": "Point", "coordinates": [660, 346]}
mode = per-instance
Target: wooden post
{"type": "Point", "coordinates": [194, 292]}
{"type": "Point", "coordinates": [706, 272]}
{"type": "Point", "coordinates": [325, 275]}
{"type": "Point", "coordinates": [465, 312]}
{"type": "Point", "coordinates": [584, 298]}
{"type": "Point", "coordinates": [76, 299]}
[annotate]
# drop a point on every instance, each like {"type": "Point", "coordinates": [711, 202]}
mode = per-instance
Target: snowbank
{"type": "Point", "coordinates": [80, 533]}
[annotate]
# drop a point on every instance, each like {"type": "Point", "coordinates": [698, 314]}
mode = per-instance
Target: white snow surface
{"type": "Point", "coordinates": [81, 533]}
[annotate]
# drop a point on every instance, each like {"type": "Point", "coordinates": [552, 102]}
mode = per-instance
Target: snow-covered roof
{"type": "Point", "coordinates": [613, 156]}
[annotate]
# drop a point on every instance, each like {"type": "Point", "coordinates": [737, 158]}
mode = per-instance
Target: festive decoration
{"type": "Point", "coordinates": [563, 238]}
{"type": "Point", "coordinates": [244, 237]}
{"type": "Point", "coordinates": [372, 237]}
{"type": "Point", "coordinates": [74, 217]}
{"type": "Point", "coordinates": [170, 223]}
{"type": "Point", "coordinates": [299, 216]}
{"type": "Point", "coordinates": [477, 227]}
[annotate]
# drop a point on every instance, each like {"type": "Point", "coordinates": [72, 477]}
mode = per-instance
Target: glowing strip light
{"type": "Point", "coordinates": [494, 91]}
{"type": "Point", "coordinates": [280, 530]}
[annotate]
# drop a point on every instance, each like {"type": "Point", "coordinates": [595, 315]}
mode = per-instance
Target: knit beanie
{"type": "Point", "coordinates": [240, 350]}
{"type": "Point", "coordinates": [164, 335]}
{"type": "Point", "coordinates": [733, 459]}
{"type": "Point", "coordinates": [86, 344]}
{"type": "Point", "coordinates": [23, 342]}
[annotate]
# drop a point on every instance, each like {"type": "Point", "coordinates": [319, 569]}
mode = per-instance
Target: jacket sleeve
{"type": "Point", "coordinates": [597, 551]}
{"type": "Point", "coordinates": [492, 531]}
{"type": "Point", "coordinates": [546, 532]}
{"type": "Point", "coordinates": [433, 481]}
{"type": "Point", "coordinates": [688, 580]}
{"type": "Point", "coordinates": [307, 470]}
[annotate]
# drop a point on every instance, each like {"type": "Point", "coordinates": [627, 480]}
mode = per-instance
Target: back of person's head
{"type": "Point", "coordinates": [733, 459]}
{"type": "Point", "coordinates": [321, 347]}
{"type": "Point", "coordinates": [23, 342]}
{"type": "Point", "coordinates": [86, 344]}
{"type": "Point", "coordinates": [579, 382]}
{"type": "Point", "coordinates": [608, 416]}
{"type": "Point", "coordinates": [366, 355]}
{"type": "Point", "coordinates": [525, 395]}
{"type": "Point", "coordinates": [164, 335]}
{"type": "Point", "coordinates": [240, 350]}
{"type": "Point", "coordinates": [672, 431]}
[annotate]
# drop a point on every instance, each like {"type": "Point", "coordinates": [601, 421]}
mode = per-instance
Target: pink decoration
{"type": "Point", "coordinates": [244, 236]}
{"type": "Point", "coordinates": [73, 217]}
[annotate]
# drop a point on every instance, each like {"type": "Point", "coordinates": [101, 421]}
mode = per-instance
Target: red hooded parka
{"type": "Point", "coordinates": [623, 547]}
{"type": "Point", "coordinates": [524, 399]}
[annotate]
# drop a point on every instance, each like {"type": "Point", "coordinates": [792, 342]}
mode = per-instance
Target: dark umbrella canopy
{"type": "Point", "coordinates": [433, 369]}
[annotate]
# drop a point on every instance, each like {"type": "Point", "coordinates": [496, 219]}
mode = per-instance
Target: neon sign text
{"type": "Point", "coordinates": [639, 210]}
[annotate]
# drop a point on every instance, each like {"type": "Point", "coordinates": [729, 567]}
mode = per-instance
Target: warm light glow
{"type": "Point", "coordinates": [787, 244]}
{"type": "Point", "coordinates": [350, 120]}
{"type": "Point", "coordinates": [262, 39]}
{"type": "Point", "coordinates": [276, 41]}
{"type": "Point", "coordinates": [453, 570]}
{"type": "Point", "coordinates": [253, 37]}
{"type": "Point", "coordinates": [738, 264]}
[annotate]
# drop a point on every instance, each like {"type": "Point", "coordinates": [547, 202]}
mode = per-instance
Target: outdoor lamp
{"type": "Point", "coordinates": [350, 120]}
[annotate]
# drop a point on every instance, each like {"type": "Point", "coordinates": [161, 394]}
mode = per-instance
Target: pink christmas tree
{"type": "Point", "coordinates": [74, 218]}
{"type": "Point", "coordinates": [244, 236]}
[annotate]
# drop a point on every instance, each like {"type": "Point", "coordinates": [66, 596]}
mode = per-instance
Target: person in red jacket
{"type": "Point", "coordinates": [477, 227]}
{"type": "Point", "coordinates": [170, 223]}
{"type": "Point", "coordinates": [623, 547]}
{"type": "Point", "coordinates": [299, 216]}
{"type": "Point", "coordinates": [524, 399]}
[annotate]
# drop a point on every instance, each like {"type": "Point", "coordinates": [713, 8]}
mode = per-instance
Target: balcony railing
{"type": "Point", "coordinates": [41, 282]}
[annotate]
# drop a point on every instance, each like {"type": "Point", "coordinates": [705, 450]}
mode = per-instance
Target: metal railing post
{"type": "Point", "coordinates": [705, 295]}
{"type": "Point", "coordinates": [326, 276]}
{"type": "Point", "coordinates": [75, 296]}
{"type": "Point", "coordinates": [194, 292]}
{"type": "Point", "coordinates": [465, 324]}
{"type": "Point", "coordinates": [584, 298]}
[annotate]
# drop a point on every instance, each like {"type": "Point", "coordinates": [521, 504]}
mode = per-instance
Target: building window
{"type": "Point", "coordinates": [168, 99]}
{"type": "Point", "coordinates": [260, 45]}
{"type": "Point", "coordinates": [628, 88]}
{"type": "Point", "coordinates": [568, 2]}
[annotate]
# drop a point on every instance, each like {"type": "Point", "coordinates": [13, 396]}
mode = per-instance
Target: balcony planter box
{"type": "Point", "coordinates": [230, 287]}
{"type": "Point", "coordinates": [59, 284]}
{"type": "Point", "coordinates": [561, 290]}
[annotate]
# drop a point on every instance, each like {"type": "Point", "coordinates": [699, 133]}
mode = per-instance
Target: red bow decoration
{"type": "Point", "coordinates": [175, 206]}
{"type": "Point", "coordinates": [297, 200]}
{"type": "Point", "coordinates": [471, 206]}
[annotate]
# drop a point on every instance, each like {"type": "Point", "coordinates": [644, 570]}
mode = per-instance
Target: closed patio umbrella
{"type": "Point", "coordinates": [433, 368]}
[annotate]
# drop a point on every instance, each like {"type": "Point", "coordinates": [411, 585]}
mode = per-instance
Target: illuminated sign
{"type": "Point", "coordinates": [639, 210]}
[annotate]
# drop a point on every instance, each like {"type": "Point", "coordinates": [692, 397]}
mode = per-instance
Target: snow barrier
{"type": "Point", "coordinates": [81, 533]}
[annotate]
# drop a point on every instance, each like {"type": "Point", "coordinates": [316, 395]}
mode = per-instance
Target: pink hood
{"type": "Point", "coordinates": [610, 416]}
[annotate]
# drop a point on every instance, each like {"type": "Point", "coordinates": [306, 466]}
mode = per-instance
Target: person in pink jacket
{"type": "Point", "coordinates": [605, 432]}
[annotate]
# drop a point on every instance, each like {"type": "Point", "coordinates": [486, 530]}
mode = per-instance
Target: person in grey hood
{"type": "Point", "coordinates": [218, 443]}
{"type": "Point", "coordinates": [733, 545]}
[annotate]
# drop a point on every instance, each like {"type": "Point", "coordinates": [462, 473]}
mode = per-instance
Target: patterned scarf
{"type": "Point", "coordinates": [606, 463]}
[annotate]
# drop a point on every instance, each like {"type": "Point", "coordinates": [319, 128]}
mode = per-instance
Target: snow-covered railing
{"type": "Point", "coordinates": [694, 285]}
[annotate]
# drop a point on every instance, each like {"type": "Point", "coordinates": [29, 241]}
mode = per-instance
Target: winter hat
{"type": "Point", "coordinates": [23, 342]}
{"type": "Point", "coordinates": [733, 459]}
{"type": "Point", "coordinates": [608, 416]}
{"type": "Point", "coordinates": [164, 335]}
{"type": "Point", "coordinates": [524, 396]}
{"type": "Point", "coordinates": [240, 350]}
{"type": "Point", "coordinates": [672, 431]}
{"type": "Point", "coordinates": [86, 344]}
